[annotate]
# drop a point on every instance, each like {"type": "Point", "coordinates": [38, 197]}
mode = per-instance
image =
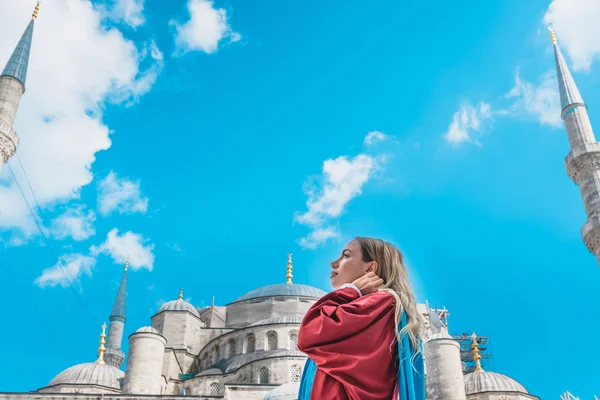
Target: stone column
{"type": "Point", "coordinates": [444, 370]}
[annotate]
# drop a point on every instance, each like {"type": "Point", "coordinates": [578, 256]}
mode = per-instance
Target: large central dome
{"type": "Point", "coordinates": [283, 289]}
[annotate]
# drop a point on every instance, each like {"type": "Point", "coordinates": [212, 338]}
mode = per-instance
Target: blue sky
{"type": "Point", "coordinates": [208, 140]}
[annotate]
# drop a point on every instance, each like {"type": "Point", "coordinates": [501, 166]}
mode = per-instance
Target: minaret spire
{"type": "Point", "coordinates": [101, 349]}
{"type": "Point", "coordinates": [476, 355]}
{"type": "Point", "coordinates": [583, 162]}
{"type": "Point", "coordinates": [289, 275]}
{"type": "Point", "coordinates": [114, 354]}
{"type": "Point", "coordinates": [120, 307]}
{"type": "Point", "coordinates": [12, 87]}
{"type": "Point", "coordinates": [569, 94]}
{"type": "Point", "coordinates": [18, 62]}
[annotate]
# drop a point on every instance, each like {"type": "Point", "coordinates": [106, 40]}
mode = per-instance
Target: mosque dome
{"type": "Point", "coordinates": [90, 374]}
{"type": "Point", "coordinates": [178, 305]}
{"type": "Point", "coordinates": [287, 391]}
{"type": "Point", "coordinates": [485, 381]}
{"type": "Point", "coordinates": [288, 289]}
{"type": "Point", "coordinates": [96, 373]}
{"type": "Point", "coordinates": [481, 381]}
{"type": "Point", "coordinates": [283, 289]}
{"type": "Point", "coordinates": [147, 329]}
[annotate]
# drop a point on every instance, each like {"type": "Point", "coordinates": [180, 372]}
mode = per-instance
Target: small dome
{"type": "Point", "coordinates": [283, 289]}
{"type": "Point", "coordinates": [289, 319]}
{"type": "Point", "coordinates": [484, 381]}
{"type": "Point", "coordinates": [90, 374]}
{"type": "Point", "coordinates": [148, 329]}
{"type": "Point", "coordinates": [287, 391]}
{"type": "Point", "coordinates": [178, 305]}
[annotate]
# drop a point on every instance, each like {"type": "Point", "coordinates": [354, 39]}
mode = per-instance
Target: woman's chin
{"type": "Point", "coordinates": [334, 283]}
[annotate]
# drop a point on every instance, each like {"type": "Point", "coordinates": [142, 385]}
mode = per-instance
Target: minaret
{"type": "Point", "coordinates": [114, 355]}
{"type": "Point", "coordinates": [583, 163]}
{"type": "Point", "coordinates": [12, 87]}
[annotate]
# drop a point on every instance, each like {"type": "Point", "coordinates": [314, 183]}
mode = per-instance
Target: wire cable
{"type": "Point", "coordinates": [62, 268]}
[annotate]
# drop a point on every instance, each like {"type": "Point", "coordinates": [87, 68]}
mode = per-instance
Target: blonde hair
{"type": "Point", "coordinates": [395, 277]}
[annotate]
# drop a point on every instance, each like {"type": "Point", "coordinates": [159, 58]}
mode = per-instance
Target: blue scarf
{"type": "Point", "coordinates": [411, 375]}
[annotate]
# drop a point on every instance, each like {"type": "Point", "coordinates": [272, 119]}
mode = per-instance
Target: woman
{"type": "Point", "coordinates": [363, 339]}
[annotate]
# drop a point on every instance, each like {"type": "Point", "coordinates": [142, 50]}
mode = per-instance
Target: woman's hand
{"type": "Point", "coordinates": [368, 283]}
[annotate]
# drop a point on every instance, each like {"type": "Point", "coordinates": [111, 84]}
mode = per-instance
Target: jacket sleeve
{"type": "Point", "coordinates": [340, 323]}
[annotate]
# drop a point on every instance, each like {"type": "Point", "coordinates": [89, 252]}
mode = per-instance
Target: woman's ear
{"type": "Point", "coordinates": [373, 267]}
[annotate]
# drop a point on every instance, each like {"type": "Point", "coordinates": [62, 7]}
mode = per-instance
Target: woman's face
{"type": "Point", "coordinates": [349, 266]}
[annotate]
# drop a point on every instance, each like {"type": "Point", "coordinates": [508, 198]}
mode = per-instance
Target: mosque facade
{"type": "Point", "coordinates": [247, 349]}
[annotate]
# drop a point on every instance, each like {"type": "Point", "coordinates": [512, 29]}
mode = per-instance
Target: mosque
{"type": "Point", "coordinates": [248, 349]}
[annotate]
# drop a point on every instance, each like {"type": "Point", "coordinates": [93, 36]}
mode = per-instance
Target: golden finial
{"type": "Point", "coordinates": [36, 11]}
{"type": "Point", "coordinates": [289, 275]}
{"type": "Point", "coordinates": [552, 34]}
{"type": "Point", "coordinates": [476, 355]}
{"type": "Point", "coordinates": [102, 349]}
{"type": "Point", "coordinates": [127, 264]}
{"type": "Point", "coordinates": [181, 294]}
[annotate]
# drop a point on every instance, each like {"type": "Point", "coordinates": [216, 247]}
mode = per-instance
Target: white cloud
{"type": "Point", "coordinates": [175, 247]}
{"type": "Point", "coordinates": [374, 137]}
{"type": "Point", "coordinates": [577, 28]}
{"type": "Point", "coordinates": [75, 223]}
{"type": "Point", "coordinates": [69, 268]}
{"type": "Point", "coordinates": [128, 244]}
{"type": "Point", "coordinates": [68, 84]}
{"type": "Point", "coordinates": [541, 101]}
{"type": "Point", "coordinates": [342, 180]}
{"type": "Point", "coordinates": [129, 11]}
{"type": "Point", "coordinates": [145, 81]}
{"type": "Point", "coordinates": [121, 195]}
{"type": "Point", "coordinates": [319, 236]}
{"type": "Point", "coordinates": [466, 121]}
{"type": "Point", "coordinates": [205, 29]}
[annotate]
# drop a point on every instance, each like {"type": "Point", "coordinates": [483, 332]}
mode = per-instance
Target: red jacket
{"type": "Point", "coordinates": [352, 341]}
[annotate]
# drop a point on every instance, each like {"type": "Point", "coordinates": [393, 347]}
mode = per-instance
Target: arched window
{"type": "Point", "coordinates": [296, 373]}
{"type": "Point", "coordinates": [205, 361]}
{"type": "Point", "coordinates": [294, 341]}
{"type": "Point", "coordinates": [263, 376]}
{"type": "Point", "coordinates": [215, 389]}
{"type": "Point", "coordinates": [231, 345]}
{"type": "Point", "coordinates": [272, 340]}
{"type": "Point", "coordinates": [250, 344]}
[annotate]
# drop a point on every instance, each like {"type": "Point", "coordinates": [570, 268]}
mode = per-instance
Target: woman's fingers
{"type": "Point", "coordinates": [369, 282]}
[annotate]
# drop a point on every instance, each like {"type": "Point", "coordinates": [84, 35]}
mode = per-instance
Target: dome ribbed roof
{"type": "Point", "coordinates": [178, 305]}
{"type": "Point", "coordinates": [287, 391]}
{"type": "Point", "coordinates": [148, 329]}
{"type": "Point", "coordinates": [211, 371]}
{"type": "Point", "coordinates": [283, 289]}
{"type": "Point", "coordinates": [90, 374]}
{"type": "Point", "coordinates": [484, 381]}
{"type": "Point", "coordinates": [290, 319]}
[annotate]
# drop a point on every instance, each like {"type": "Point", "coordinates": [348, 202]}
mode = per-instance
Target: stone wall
{"type": "Point", "coordinates": [247, 312]}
